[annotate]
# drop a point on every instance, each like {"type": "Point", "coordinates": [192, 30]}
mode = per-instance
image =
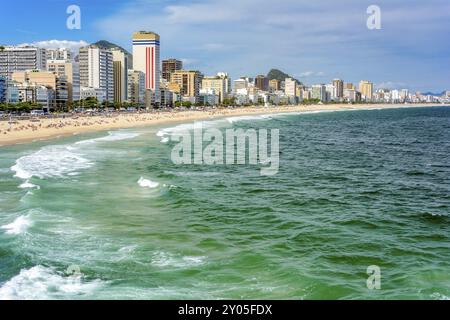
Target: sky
{"type": "Point", "coordinates": [314, 40]}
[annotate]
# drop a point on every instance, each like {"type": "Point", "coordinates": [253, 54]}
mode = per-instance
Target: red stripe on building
{"type": "Point", "coordinates": [153, 68]}
{"type": "Point", "coordinates": [146, 68]}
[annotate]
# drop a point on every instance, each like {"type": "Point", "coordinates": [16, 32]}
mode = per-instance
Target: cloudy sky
{"type": "Point", "coordinates": [313, 40]}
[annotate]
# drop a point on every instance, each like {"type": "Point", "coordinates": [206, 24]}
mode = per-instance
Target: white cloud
{"type": "Point", "coordinates": [55, 44]}
{"type": "Point", "coordinates": [249, 37]}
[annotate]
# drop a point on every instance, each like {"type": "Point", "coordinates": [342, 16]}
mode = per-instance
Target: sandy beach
{"type": "Point", "coordinates": [22, 131]}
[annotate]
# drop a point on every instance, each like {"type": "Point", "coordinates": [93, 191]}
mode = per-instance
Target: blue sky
{"type": "Point", "coordinates": [313, 40]}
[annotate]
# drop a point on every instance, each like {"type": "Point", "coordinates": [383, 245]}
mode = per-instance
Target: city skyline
{"type": "Point", "coordinates": [400, 55]}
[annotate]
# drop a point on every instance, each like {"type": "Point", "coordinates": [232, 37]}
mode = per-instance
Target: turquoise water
{"type": "Point", "coordinates": [355, 188]}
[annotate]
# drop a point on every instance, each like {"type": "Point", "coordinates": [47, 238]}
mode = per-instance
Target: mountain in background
{"type": "Point", "coordinates": [108, 45]}
{"type": "Point", "coordinates": [276, 74]}
{"type": "Point", "coordinates": [434, 94]}
{"type": "Point", "coordinates": [104, 44]}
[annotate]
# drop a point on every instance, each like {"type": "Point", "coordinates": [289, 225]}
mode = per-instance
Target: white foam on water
{"type": "Point", "coordinates": [145, 183]}
{"type": "Point", "coordinates": [164, 259]}
{"type": "Point", "coordinates": [28, 185]}
{"type": "Point", "coordinates": [50, 161]}
{"type": "Point", "coordinates": [165, 133]}
{"type": "Point", "coordinates": [39, 283]}
{"type": "Point", "coordinates": [246, 118]}
{"type": "Point", "coordinates": [112, 136]}
{"type": "Point", "coordinates": [439, 296]}
{"type": "Point", "coordinates": [19, 226]}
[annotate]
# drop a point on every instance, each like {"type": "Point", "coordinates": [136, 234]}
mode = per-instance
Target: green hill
{"type": "Point", "coordinates": [276, 74]}
{"type": "Point", "coordinates": [104, 44]}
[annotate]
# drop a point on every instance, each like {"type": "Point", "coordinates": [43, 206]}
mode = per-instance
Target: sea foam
{"type": "Point", "coordinates": [50, 161]}
{"type": "Point", "coordinates": [20, 225]}
{"type": "Point", "coordinates": [44, 283]}
{"type": "Point", "coordinates": [145, 183]}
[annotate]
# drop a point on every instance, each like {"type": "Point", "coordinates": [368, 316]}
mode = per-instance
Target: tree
{"type": "Point", "coordinates": [229, 101]}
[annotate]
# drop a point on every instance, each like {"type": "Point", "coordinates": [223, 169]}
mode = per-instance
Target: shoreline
{"type": "Point", "coordinates": [27, 131]}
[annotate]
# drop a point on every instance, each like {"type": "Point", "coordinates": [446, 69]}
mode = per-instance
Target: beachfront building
{"type": "Point", "coordinates": [97, 70]}
{"type": "Point", "coordinates": [241, 83]}
{"type": "Point", "coordinates": [290, 89]}
{"type": "Point", "coordinates": [262, 83]}
{"type": "Point", "coordinates": [339, 89]}
{"type": "Point", "coordinates": [63, 68]}
{"type": "Point", "coordinates": [59, 84]}
{"type": "Point", "coordinates": [319, 92]}
{"type": "Point", "coordinates": [366, 89]}
{"type": "Point", "coordinates": [146, 58]}
{"type": "Point", "coordinates": [274, 85]}
{"type": "Point", "coordinates": [136, 87]}
{"type": "Point", "coordinates": [59, 54]}
{"type": "Point", "coordinates": [87, 92]}
{"type": "Point", "coordinates": [349, 86]}
{"type": "Point", "coordinates": [13, 58]}
{"type": "Point", "coordinates": [120, 66]}
{"type": "Point", "coordinates": [350, 95]}
{"type": "Point", "coordinates": [209, 97]}
{"type": "Point", "coordinates": [169, 66]}
{"type": "Point", "coordinates": [189, 83]}
{"type": "Point", "coordinates": [3, 88]}
{"type": "Point", "coordinates": [167, 97]}
{"type": "Point", "coordinates": [220, 84]}
{"type": "Point", "coordinates": [34, 93]}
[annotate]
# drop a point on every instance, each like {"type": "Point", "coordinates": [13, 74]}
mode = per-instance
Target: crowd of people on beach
{"type": "Point", "coordinates": [88, 120]}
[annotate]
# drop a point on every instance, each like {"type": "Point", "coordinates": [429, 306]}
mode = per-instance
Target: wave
{"type": "Point", "coordinates": [60, 160]}
{"type": "Point", "coordinates": [19, 226]}
{"type": "Point", "coordinates": [28, 185]}
{"type": "Point", "coordinates": [112, 136]}
{"type": "Point", "coordinates": [145, 183]}
{"type": "Point", "coordinates": [40, 283]}
{"type": "Point", "coordinates": [50, 161]}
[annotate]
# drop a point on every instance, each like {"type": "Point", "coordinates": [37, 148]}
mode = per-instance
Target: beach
{"type": "Point", "coordinates": [33, 129]}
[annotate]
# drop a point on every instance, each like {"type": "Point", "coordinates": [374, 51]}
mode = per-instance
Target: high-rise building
{"type": "Point", "coordinates": [290, 87]}
{"type": "Point", "coordinates": [14, 59]}
{"type": "Point", "coordinates": [366, 89]}
{"type": "Point", "coordinates": [97, 70]}
{"type": "Point", "coordinates": [169, 66]}
{"type": "Point", "coordinates": [319, 92]}
{"type": "Point", "coordinates": [3, 88]}
{"type": "Point", "coordinates": [189, 82]}
{"type": "Point", "coordinates": [220, 84]}
{"type": "Point", "coordinates": [339, 85]}
{"type": "Point", "coordinates": [63, 68]}
{"type": "Point", "coordinates": [59, 54]}
{"type": "Point", "coordinates": [349, 86]}
{"type": "Point", "coordinates": [120, 61]}
{"type": "Point", "coordinates": [59, 84]}
{"type": "Point", "coordinates": [262, 83]}
{"type": "Point", "coordinates": [136, 87]}
{"type": "Point", "coordinates": [275, 85]}
{"type": "Point", "coordinates": [146, 54]}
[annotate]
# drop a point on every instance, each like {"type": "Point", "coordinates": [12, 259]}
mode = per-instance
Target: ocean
{"type": "Point", "coordinates": [109, 216]}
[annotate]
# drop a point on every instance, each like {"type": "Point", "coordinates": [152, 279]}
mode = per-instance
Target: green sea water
{"type": "Point", "coordinates": [354, 189]}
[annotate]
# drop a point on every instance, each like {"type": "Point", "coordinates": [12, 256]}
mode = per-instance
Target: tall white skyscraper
{"type": "Point", "coordinates": [97, 70]}
{"type": "Point", "coordinates": [146, 58]}
{"type": "Point", "coordinates": [14, 59]}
